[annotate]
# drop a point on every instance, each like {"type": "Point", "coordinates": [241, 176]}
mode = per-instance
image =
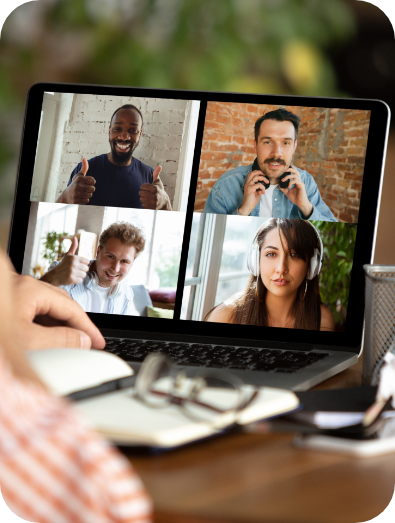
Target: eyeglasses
{"type": "Point", "coordinates": [216, 397]}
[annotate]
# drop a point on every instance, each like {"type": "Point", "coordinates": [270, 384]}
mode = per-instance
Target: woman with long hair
{"type": "Point", "coordinates": [283, 289]}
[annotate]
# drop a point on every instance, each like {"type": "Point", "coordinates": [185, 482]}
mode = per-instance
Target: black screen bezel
{"type": "Point", "coordinates": [367, 222]}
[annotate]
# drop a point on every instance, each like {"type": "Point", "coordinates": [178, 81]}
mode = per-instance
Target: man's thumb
{"type": "Point", "coordinates": [156, 173]}
{"type": "Point", "coordinates": [85, 166]}
{"type": "Point", "coordinates": [73, 246]}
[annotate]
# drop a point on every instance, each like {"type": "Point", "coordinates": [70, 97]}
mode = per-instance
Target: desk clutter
{"type": "Point", "coordinates": [163, 410]}
{"type": "Point", "coordinates": [113, 409]}
{"type": "Point", "coordinates": [379, 336]}
{"type": "Point", "coordinates": [358, 421]}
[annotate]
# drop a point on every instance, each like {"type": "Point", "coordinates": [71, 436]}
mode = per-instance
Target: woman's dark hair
{"type": "Point", "coordinates": [297, 235]}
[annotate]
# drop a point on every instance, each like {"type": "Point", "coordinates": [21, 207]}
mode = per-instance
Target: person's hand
{"type": "Point", "coordinates": [70, 270]}
{"type": "Point", "coordinates": [46, 317]}
{"type": "Point", "coordinates": [81, 189]}
{"type": "Point", "coordinates": [26, 306]}
{"type": "Point", "coordinates": [252, 192]}
{"type": "Point", "coordinates": [153, 195]}
{"type": "Point", "coordinates": [297, 195]}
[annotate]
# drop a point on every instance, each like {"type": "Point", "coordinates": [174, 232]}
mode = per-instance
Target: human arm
{"type": "Point", "coordinates": [81, 188]}
{"type": "Point", "coordinates": [253, 190]}
{"type": "Point", "coordinates": [70, 270]}
{"type": "Point", "coordinates": [222, 313]}
{"type": "Point", "coordinates": [306, 196]}
{"type": "Point", "coordinates": [37, 315]}
{"type": "Point", "coordinates": [327, 320]}
{"type": "Point", "coordinates": [52, 446]}
{"type": "Point", "coordinates": [47, 317]}
{"type": "Point", "coordinates": [226, 196]}
{"type": "Point", "coordinates": [153, 195]}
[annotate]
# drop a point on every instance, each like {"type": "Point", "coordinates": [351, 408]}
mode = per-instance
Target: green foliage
{"type": "Point", "coordinates": [261, 46]}
{"type": "Point", "coordinates": [51, 245]}
{"type": "Point", "coordinates": [190, 44]}
{"type": "Point", "coordinates": [167, 269]}
{"type": "Point", "coordinates": [339, 242]}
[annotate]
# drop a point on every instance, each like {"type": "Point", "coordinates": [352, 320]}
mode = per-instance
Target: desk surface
{"type": "Point", "coordinates": [248, 478]}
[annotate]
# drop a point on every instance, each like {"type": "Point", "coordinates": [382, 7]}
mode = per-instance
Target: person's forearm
{"type": "Point", "coordinates": [62, 197]}
{"type": "Point", "coordinates": [167, 205]}
{"type": "Point", "coordinates": [245, 209]}
{"type": "Point", "coordinates": [307, 210]}
{"type": "Point", "coordinates": [51, 277]}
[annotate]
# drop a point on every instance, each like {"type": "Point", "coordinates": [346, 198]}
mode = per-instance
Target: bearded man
{"type": "Point", "coordinates": [117, 179]}
{"type": "Point", "coordinates": [272, 186]}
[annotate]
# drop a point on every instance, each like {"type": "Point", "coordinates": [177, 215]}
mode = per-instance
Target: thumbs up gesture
{"type": "Point", "coordinates": [73, 247]}
{"type": "Point", "coordinates": [71, 270]}
{"type": "Point", "coordinates": [81, 189]}
{"type": "Point", "coordinates": [153, 195]}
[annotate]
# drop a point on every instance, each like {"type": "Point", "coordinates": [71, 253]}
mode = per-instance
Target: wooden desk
{"type": "Point", "coordinates": [253, 478]}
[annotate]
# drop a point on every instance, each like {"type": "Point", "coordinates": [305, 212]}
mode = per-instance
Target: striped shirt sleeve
{"type": "Point", "coordinates": [55, 469]}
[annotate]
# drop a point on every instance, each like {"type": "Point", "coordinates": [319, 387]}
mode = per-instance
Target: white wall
{"type": "Point", "coordinates": [65, 105]}
{"type": "Point", "coordinates": [86, 135]}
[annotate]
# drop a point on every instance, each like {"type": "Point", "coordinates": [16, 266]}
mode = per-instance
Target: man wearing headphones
{"type": "Point", "coordinates": [97, 284]}
{"type": "Point", "coordinates": [272, 186]}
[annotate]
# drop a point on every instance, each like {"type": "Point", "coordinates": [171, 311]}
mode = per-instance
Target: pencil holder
{"type": "Point", "coordinates": [379, 334]}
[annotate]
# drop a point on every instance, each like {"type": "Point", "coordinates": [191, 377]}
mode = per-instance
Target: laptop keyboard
{"type": "Point", "coordinates": [219, 356]}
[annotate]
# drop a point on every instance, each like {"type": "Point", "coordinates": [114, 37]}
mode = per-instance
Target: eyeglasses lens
{"type": "Point", "coordinates": [212, 400]}
{"type": "Point", "coordinates": [154, 384]}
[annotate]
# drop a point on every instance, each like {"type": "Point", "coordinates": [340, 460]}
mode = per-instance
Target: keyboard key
{"type": "Point", "coordinates": [219, 356]}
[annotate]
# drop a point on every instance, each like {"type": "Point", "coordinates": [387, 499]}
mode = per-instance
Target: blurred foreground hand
{"type": "Point", "coordinates": [53, 467]}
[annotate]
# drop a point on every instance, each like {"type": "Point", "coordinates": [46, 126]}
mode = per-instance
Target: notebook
{"type": "Point", "coordinates": [206, 277]}
{"type": "Point", "coordinates": [126, 420]}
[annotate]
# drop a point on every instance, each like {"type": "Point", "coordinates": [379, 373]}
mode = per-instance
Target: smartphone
{"type": "Point", "coordinates": [382, 442]}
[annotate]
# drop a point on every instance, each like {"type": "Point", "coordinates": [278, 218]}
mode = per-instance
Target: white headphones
{"type": "Point", "coordinates": [315, 264]}
{"type": "Point", "coordinates": [92, 277]}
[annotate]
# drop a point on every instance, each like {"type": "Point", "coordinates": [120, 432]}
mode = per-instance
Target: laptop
{"type": "Point", "coordinates": [262, 280]}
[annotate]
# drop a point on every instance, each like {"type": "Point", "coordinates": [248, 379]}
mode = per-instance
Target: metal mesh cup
{"type": "Point", "coordinates": [379, 319]}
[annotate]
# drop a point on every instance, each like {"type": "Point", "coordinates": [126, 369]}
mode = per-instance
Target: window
{"type": "Point", "coordinates": [217, 261]}
{"type": "Point", "coordinates": [51, 217]}
{"type": "Point", "coordinates": [158, 265]}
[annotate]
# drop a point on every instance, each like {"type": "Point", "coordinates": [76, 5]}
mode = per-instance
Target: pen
{"type": "Point", "coordinates": [103, 388]}
{"type": "Point", "coordinates": [374, 411]}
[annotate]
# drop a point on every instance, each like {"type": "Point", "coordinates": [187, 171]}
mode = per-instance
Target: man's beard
{"type": "Point", "coordinates": [122, 158]}
{"type": "Point", "coordinates": [272, 160]}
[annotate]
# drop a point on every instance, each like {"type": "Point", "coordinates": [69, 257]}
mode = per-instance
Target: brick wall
{"type": "Point", "coordinates": [86, 134]}
{"type": "Point", "coordinates": [331, 147]}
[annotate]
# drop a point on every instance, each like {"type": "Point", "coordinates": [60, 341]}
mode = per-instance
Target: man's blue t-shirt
{"type": "Point", "coordinates": [116, 186]}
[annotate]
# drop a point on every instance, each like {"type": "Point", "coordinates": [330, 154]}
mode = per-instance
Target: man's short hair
{"type": "Point", "coordinates": [128, 106]}
{"type": "Point", "coordinates": [281, 115]}
{"type": "Point", "coordinates": [126, 232]}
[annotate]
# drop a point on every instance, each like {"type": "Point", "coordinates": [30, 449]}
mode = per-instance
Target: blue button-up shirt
{"type": "Point", "coordinates": [227, 195]}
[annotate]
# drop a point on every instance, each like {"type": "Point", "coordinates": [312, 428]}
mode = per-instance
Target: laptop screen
{"type": "Point", "coordinates": [237, 216]}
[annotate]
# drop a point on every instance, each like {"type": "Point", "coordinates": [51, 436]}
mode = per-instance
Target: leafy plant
{"type": "Point", "coordinates": [51, 245]}
{"type": "Point", "coordinates": [261, 46]}
{"type": "Point", "coordinates": [167, 269]}
{"type": "Point", "coordinates": [339, 241]}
